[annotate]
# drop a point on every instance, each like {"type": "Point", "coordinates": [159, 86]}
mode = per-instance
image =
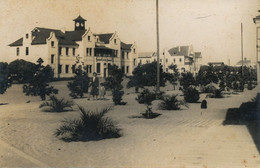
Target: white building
{"type": "Point", "coordinates": [61, 49]}
{"type": "Point", "coordinates": [182, 56]}
{"type": "Point", "coordinates": [257, 22]}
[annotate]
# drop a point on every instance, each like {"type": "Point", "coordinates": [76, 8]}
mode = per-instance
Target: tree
{"type": "Point", "coordinates": [187, 80]}
{"type": "Point", "coordinates": [39, 83]}
{"type": "Point", "coordinates": [191, 95]}
{"type": "Point", "coordinates": [80, 84]}
{"type": "Point", "coordinates": [173, 77]}
{"type": "Point", "coordinates": [21, 71]}
{"type": "Point", "coordinates": [145, 75]}
{"type": "Point", "coordinates": [207, 76]}
{"type": "Point", "coordinates": [113, 82]}
{"type": "Point", "coordinates": [5, 80]}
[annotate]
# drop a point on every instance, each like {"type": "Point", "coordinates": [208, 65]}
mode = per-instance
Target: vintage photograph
{"type": "Point", "coordinates": [130, 83]}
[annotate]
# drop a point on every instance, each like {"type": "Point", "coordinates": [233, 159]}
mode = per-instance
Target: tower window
{"type": "Point", "coordinates": [88, 38]}
{"type": "Point", "coordinates": [134, 50]}
{"type": "Point", "coordinates": [166, 59]}
{"type": "Point", "coordinates": [73, 51]}
{"type": "Point", "coordinates": [17, 51]}
{"type": "Point", "coordinates": [27, 35]}
{"type": "Point", "coordinates": [27, 51]}
{"type": "Point", "coordinates": [52, 43]}
{"type": "Point", "coordinates": [134, 61]}
{"type": "Point", "coordinates": [90, 52]}
{"type": "Point", "coordinates": [180, 60]}
{"type": "Point", "coordinates": [52, 59]}
{"type": "Point", "coordinates": [115, 41]}
{"type": "Point", "coordinates": [67, 50]}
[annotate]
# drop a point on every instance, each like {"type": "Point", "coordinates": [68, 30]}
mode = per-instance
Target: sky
{"type": "Point", "coordinates": [213, 27]}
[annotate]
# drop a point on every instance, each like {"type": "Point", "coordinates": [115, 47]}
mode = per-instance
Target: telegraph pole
{"type": "Point", "coordinates": [158, 50]}
{"type": "Point", "coordinates": [242, 49]}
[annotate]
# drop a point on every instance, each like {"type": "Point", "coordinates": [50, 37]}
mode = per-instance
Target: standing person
{"type": "Point", "coordinates": [102, 91]}
{"type": "Point", "coordinates": [94, 86]}
{"type": "Point", "coordinates": [204, 105]}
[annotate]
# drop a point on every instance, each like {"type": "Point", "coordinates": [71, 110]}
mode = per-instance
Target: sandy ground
{"type": "Point", "coordinates": [182, 138]}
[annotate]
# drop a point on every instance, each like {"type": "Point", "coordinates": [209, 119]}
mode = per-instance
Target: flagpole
{"type": "Point", "coordinates": [158, 50]}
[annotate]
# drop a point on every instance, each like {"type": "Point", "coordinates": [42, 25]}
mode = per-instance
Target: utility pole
{"type": "Point", "coordinates": [242, 49]}
{"type": "Point", "coordinates": [158, 50]}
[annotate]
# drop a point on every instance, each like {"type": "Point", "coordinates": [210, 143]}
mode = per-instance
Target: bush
{"type": "Point", "coordinates": [90, 126]}
{"type": "Point", "coordinates": [39, 84]}
{"type": "Point", "coordinates": [80, 84]}
{"type": "Point", "coordinates": [21, 70]}
{"type": "Point", "coordinates": [5, 81]}
{"type": "Point", "coordinates": [208, 89]}
{"type": "Point", "coordinates": [171, 103]}
{"type": "Point", "coordinates": [117, 96]}
{"type": "Point", "coordinates": [57, 105]}
{"type": "Point", "coordinates": [191, 95]}
{"type": "Point", "coordinates": [146, 97]}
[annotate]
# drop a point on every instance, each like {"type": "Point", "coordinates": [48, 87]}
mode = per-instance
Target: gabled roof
{"type": "Point", "coordinates": [18, 42]}
{"type": "Point", "coordinates": [180, 50]}
{"type": "Point", "coordinates": [104, 37]}
{"type": "Point", "coordinates": [79, 18]}
{"type": "Point", "coordinates": [146, 54]}
{"type": "Point", "coordinates": [74, 35]}
{"type": "Point", "coordinates": [125, 46]}
{"type": "Point", "coordinates": [41, 34]}
{"type": "Point", "coordinates": [245, 62]}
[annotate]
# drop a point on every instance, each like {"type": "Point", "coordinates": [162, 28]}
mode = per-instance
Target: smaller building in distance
{"type": "Point", "coordinates": [245, 62]}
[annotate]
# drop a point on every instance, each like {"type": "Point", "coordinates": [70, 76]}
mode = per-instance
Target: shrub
{"type": "Point", "coordinates": [90, 126]}
{"type": "Point", "coordinates": [113, 82]}
{"type": "Point", "coordinates": [191, 95]}
{"type": "Point", "coordinates": [208, 89]}
{"type": "Point", "coordinates": [171, 103]}
{"type": "Point", "coordinates": [218, 93]}
{"type": "Point", "coordinates": [57, 105]}
{"type": "Point", "coordinates": [5, 81]}
{"type": "Point", "coordinates": [146, 97]}
{"type": "Point", "coordinates": [39, 84]}
{"type": "Point", "coordinates": [187, 80]}
{"type": "Point", "coordinates": [21, 70]}
{"type": "Point", "coordinates": [80, 84]}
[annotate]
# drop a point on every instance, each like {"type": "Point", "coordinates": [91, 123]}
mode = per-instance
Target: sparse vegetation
{"type": "Point", "coordinates": [191, 95]}
{"type": "Point", "coordinates": [90, 126]}
{"type": "Point", "coordinates": [80, 84]}
{"type": "Point", "coordinates": [171, 103]}
{"type": "Point", "coordinates": [57, 105]}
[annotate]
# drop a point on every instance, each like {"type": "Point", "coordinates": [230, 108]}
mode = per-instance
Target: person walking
{"type": "Point", "coordinates": [102, 91]}
{"type": "Point", "coordinates": [94, 86]}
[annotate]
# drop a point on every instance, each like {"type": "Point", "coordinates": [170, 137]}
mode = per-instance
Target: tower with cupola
{"type": "Point", "coordinates": [79, 23]}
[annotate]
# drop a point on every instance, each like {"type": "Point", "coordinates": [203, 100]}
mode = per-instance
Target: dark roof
{"type": "Point", "coordinates": [125, 46]}
{"type": "Point", "coordinates": [79, 18]}
{"type": "Point", "coordinates": [245, 62]}
{"type": "Point", "coordinates": [104, 37]}
{"type": "Point", "coordinates": [41, 34]}
{"type": "Point", "coordinates": [197, 54]}
{"type": "Point", "coordinates": [74, 35]}
{"type": "Point", "coordinates": [181, 50]}
{"type": "Point", "coordinates": [17, 42]}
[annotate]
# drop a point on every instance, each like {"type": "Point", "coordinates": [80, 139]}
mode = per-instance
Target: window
{"type": "Point", "coordinates": [134, 61]}
{"type": "Point", "coordinates": [73, 51]}
{"type": "Point", "coordinates": [127, 69]}
{"type": "Point", "coordinates": [17, 51]}
{"type": "Point", "coordinates": [123, 68]}
{"type": "Point", "coordinates": [160, 60]}
{"type": "Point", "coordinates": [90, 68]}
{"type": "Point", "coordinates": [123, 54]}
{"type": "Point", "coordinates": [98, 67]}
{"type": "Point", "coordinates": [174, 60]}
{"type": "Point", "coordinates": [166, 69]}
{"type": "Point", "coordinates": [60, 49]}
{"type": "Point", "coordinates": [88, 38]}
{"type": "Point", "coordinates": [27, 35]}
{"type": "Point", "coordinates": [127, 55]}
{"type": "Point", "coordinates": [27, 51]}
{"type": "Point", "coordinates": [67, 50]}
{"type": "Point", "coordinates": [115, 53]}
{"type": "Point", "coordinates": [115, 41]}
{"type": "Point", "coordinates": [73, 68]}
{"type": "Point", "coordinates": [52, 59]}
{"type": "Point", "coordinates": [90, 52]}
{"type": "Point", "coordinates": [166, 59]}
{"type": "Point", "coordinates": [52, 43]}
{"type": "Point", "coordinates": [60, 69]}
{"type": "Point", "coordinates": [67, 69]}
{"type": "Point", "coordinates": [180, 60]}
{"type": "Point", "coordinates": [134, 50]}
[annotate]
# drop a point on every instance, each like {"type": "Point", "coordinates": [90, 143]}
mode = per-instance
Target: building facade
{"type": "Point", "coordinates": [63, 49]}
{"type": "Point", "coordinates": [183, 56]}
{"type": "Point", "coordinates": [257, 22]}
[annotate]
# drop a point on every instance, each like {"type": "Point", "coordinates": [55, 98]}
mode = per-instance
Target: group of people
{"type": "Point", "coordinates": [97, 92]}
